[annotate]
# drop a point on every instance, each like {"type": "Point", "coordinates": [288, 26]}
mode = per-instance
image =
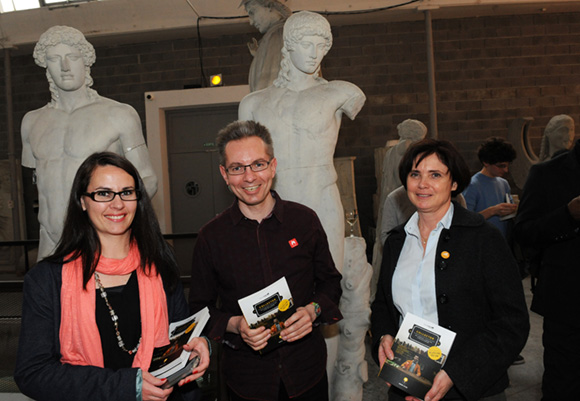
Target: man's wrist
{"type": "Point", "coordinates": [317, 309]}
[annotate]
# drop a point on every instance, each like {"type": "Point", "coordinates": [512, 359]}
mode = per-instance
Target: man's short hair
{"type": "Point", "coordinates": [240, 130]}
{"type": "Point", "coordinates": [496, 150]}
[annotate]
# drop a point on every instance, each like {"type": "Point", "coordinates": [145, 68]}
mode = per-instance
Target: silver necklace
{"type": "Point", "coordinates": [115, 319]}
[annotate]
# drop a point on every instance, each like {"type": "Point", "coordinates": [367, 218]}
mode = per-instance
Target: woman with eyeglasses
{"type": "Point", "coordinates": [96, 308]}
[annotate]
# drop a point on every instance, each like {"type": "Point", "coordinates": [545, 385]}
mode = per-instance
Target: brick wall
{"type": "Point", "coordinates": [489, 70]}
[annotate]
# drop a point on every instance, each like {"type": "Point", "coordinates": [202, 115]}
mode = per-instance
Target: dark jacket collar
{"type": "Point", "coordinates": [278, 211]}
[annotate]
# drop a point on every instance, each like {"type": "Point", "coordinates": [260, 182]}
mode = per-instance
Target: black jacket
{"type": "Point", "coordinates": [479, 297]}
{"type": "Point", "coordinates": [544, 226]}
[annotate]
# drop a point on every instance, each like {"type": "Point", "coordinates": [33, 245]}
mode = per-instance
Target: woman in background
{"type": "Point", "coordinates": [450, 267]}
{"type": "Point", "coordinates": [94, 311]}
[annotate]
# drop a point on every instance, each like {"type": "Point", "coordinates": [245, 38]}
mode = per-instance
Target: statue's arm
{"type": "Point", "coordinates": [28, 159]}
{"type": "Point", "coordinates": [134, 147]}
{"type": "Point", "coordinates": [354, 98]}
{"type": "Point", "coordinates": [246, 107]}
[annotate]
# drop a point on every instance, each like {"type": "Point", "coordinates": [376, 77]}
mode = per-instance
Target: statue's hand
{"type": "Point", "coordinates": [253, 47]}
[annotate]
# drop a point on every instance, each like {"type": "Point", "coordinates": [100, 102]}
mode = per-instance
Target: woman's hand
{"type": "Point", "coordinates": [198, 346]}
{"type": "Point", "coordinates": [442, 383]}
{"type": "Point", "coordinates": [151, 389]}
{"type": "Point", "coordinates": [255, 338]}
{"type": "Point", "coordinates": [299, 324]}
{"type": "Point", "coordinates": [385, 348]}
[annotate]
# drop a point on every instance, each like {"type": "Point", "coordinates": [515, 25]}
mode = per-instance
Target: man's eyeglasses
{"type": "Point", "coordinates": [258, 165]}
{"type": "Point", "coordinates": [108, 196]}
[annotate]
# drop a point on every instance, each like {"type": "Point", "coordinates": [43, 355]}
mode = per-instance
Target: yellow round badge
{"type": "Point", "coordinates": [434, 353]}
{"type": "Point", "coordinates": [283, 305]}
{"type": "Point", "coordinates": [445, 255]}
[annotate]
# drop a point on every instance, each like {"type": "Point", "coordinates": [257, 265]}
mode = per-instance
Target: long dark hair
{"type": "Point", "coordinates": [80, 239]}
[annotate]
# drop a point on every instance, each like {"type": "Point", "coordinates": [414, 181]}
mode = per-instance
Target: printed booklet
{"type": "Point", "coordinates": [420, 349]}
{"type": "Point", "coordinates": [172, 361]}
{"type": "Point", "coordinates": [269, 307]}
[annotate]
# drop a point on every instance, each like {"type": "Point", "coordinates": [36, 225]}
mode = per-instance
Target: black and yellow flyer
{"type": "Point", "coordinates": [420, 349]}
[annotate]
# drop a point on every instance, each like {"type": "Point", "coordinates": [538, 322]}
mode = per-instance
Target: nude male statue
{"type": "Point", "coordinates": [77, 122]}
{"type": "Point", "coordinates": [303, 113]}
{"type": "Point", "coordinates": [268, 16]}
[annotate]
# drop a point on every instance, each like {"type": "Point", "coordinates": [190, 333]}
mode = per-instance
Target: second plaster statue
{"type": "Point", "coordinates": [303, 112]}
{"type": "Point", "coordinates": [77, 122]}
{"type": "Point", "coordinates": [268, 16]}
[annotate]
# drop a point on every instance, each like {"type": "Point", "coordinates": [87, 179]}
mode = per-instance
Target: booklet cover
{"type": "Point", "coordinates": [172, 361]}
{"type": "Point", "coordinates": [269, 307]}
{"type": "Point", "coordinates": [420, 349]}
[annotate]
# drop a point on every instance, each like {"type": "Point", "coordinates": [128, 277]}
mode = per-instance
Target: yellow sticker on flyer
{"type": "Point", "coordinates": [434, 353]}
{"type": "Point", "coordinates": [283, 305]}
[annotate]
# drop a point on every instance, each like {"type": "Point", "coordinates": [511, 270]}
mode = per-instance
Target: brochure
{"type": "Point", "coordinates": [172, 361]}
{"type": "Point", "coordinates": [420, 349]}
{"type": "Point", "coordinates": [269, 307]}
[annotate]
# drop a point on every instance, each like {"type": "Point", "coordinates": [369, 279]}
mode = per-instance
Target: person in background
{"type": "Point", "coordinates": [258, 240]}
{"type": "Point", "coordinates": [452, 268]}
{"type": "Point", "coordinates": [548, 223]}
{"type": "Point", "coordinates": [95, 309]}
{"type": "Point", "coordinates": [488, 193]}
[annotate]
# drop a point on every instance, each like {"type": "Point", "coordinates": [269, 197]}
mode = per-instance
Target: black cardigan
{"type": "Point", "coordinates": [479, 296]}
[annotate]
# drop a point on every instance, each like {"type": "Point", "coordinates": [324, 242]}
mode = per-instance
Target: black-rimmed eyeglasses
{"type": "Point", "coordinates": [258, 165]}
{"type": "Point", "coordinates": [108, 196]}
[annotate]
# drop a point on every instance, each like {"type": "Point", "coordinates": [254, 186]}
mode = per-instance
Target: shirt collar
{"type": "Point", "coordinates": [277, 212]}
{"type": "Point", "coordinates": [412, 226]}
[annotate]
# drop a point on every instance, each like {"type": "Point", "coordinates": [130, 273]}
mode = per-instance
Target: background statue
{"type": "Point", "coordinates": [410, 131]}
{"type": "Point", "coordinates": [268, 16]}
{"type": "Point", "coordinates": [558, 137]}
{"type": "Point", "coordinates": [303, 113]}
{"type": "Point", "coordinates": [77, 122]}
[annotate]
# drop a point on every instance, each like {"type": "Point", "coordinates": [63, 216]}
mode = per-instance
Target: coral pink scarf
{"type": "Point", "coordinates": [80, 342]}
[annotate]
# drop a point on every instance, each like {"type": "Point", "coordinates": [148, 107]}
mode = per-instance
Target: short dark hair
{"type": "Point", "coordinates": [447, 154]}
{"type": "Point", "coordinates": [80, 239]}
{"type": "Point", "coordinates": [240, 130]}
{"type": "Point", "coordinates": [496, 150]}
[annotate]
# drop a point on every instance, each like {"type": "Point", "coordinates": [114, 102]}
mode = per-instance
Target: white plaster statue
{"type": "Point", "coordinates": [303, 113]}
{"type": "Point", "coordinates": [410, 131]}
{"type": "Point", "coordinates": [558, 136]}
{"type": "Point", "coordinates": [268, 16]}
{"type": "Point", "coordinates": [77, 122]}
{"type": "Point", "coordinates": [351, 366]}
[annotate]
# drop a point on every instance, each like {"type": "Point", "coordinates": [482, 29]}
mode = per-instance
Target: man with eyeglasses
{"type": "Point", "coordinates": [489, 193]}
{"type": "Point", "coordinates": [258, 240]}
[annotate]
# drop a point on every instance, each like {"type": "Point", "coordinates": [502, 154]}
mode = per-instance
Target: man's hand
{"type": "Point", "coordinates": [574, 208]}
{"type": "Point", "coordinates": [441, 385]}
{"type": "Point", "coordinates": [151, 390]}
{"type": "Point", "coordinates": [255, 338]}
{"type": "Point", "coordinates": [503, 209]}
{"type": "Point", "coordinates": [385, 349]}
{"type": "Point", "coordinates": [198, 346]}
{"type": "Point", "coordinates": [299, 324]}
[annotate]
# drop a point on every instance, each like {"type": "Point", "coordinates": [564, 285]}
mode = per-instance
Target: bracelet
{"type": "Point", "coordinates": [208, 343]}
{"type": "Point", "coordinates": [317, 309]}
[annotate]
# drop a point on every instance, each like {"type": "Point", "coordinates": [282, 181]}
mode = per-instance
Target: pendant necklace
{"type": "Point", "coordinates": [115, 319]}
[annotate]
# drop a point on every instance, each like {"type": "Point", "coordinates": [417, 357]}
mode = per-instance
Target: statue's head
{"type": "Point", "coordinates": [264, 13]}
{"type": "Point", "coordinates": [307, 39]}
{"type": "Point", "coordinates": [413, 130]}
{"type": "Point", "coordinates": [559, 134]}
{"type": "Point", "coordinates": [60, 48]}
